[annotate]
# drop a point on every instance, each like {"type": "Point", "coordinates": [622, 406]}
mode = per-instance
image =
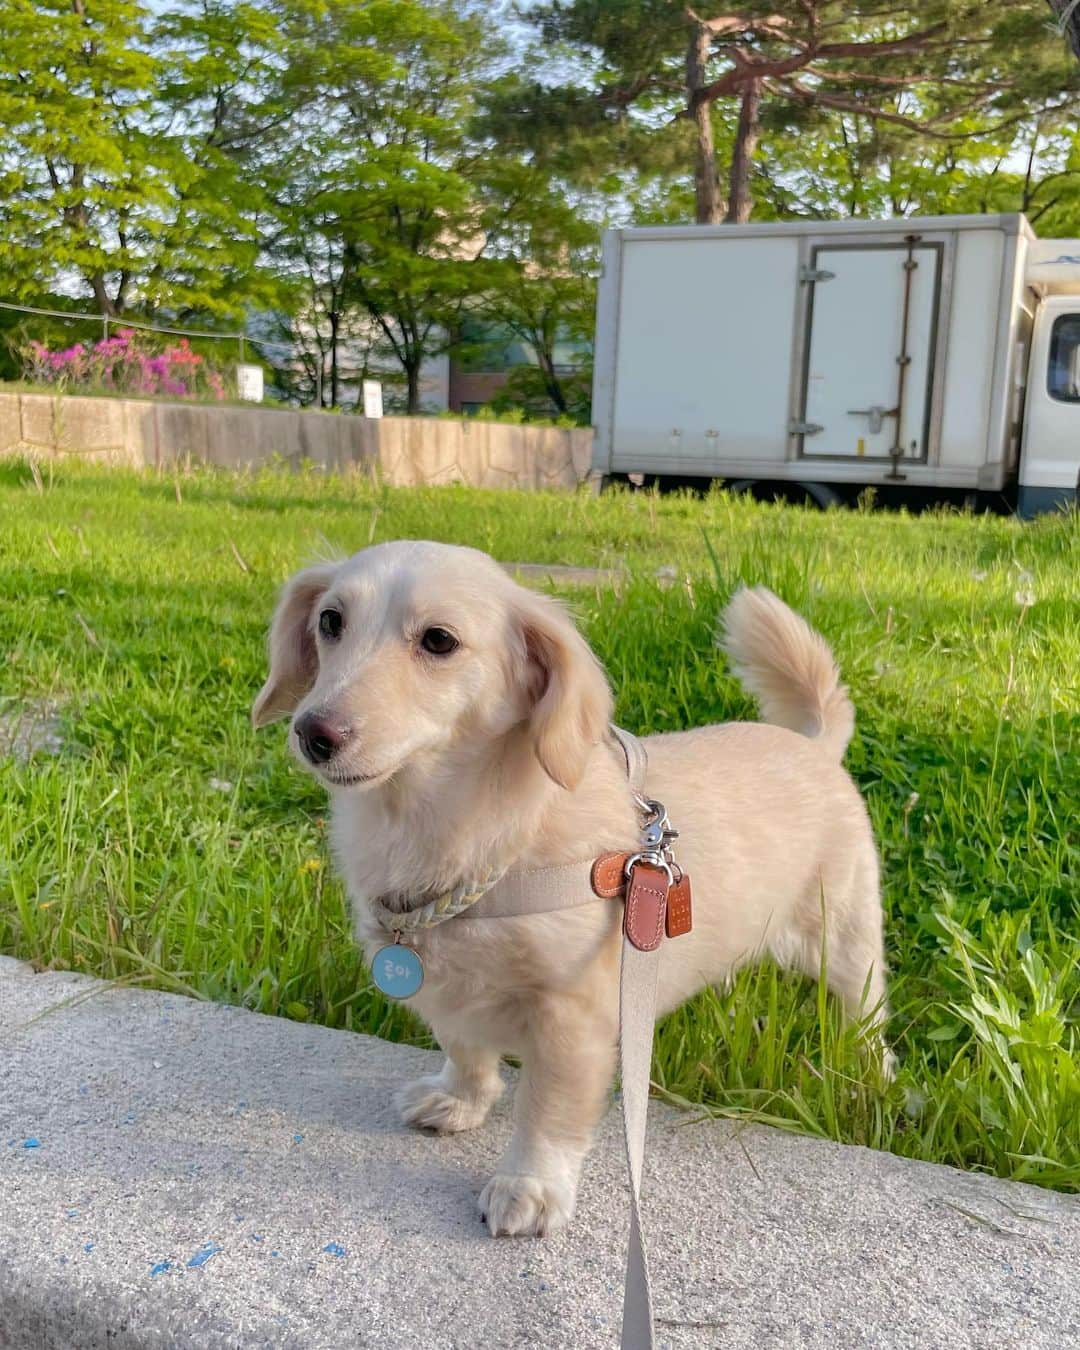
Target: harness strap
{"type": "Point", "coordinates": [539, 890]}
{"type": "Point", "coordinates": [542, 890]}
{"type": "Point", "coordinates": [637, 761]}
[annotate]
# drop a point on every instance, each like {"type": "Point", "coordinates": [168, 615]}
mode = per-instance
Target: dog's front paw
{"type": "Point", "coordinates": [426, 1105]}
{"type": "Point", "coordinates": [516, 1205]}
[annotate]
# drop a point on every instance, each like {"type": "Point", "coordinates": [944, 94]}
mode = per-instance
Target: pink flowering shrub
{"type": "Point", "coordinates": [124, 364]}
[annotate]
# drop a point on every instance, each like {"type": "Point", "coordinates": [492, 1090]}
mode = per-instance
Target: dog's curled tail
{"type": "Point", "coordinates": [788, 667]}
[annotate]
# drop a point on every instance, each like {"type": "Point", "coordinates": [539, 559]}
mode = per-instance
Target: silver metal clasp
{"type": "Point", "coordinates": [654, 860]}
{"type": "Point", "coordinates": [657, 835]}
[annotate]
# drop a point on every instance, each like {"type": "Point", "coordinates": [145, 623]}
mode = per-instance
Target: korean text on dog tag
{"type": "Point", "coordinates": [397, 971]}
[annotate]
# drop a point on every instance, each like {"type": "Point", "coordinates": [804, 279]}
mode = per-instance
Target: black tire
{"type": "Point", "coordinates": [797, 492]}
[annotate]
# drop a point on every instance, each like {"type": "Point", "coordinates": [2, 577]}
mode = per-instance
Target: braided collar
{"type": "Point", "coordinates": [462, 898]}
{"type": "Point", "coordinates": [446, 906]}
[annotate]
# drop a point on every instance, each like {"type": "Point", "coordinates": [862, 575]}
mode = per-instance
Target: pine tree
{"type": "Point", "coordinates": [942, 69]}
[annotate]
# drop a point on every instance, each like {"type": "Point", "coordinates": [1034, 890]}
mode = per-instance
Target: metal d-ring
{"type": "Point", "coordinates": [650, 808]}
{"type": "Point", "coordinates": [654, 860]}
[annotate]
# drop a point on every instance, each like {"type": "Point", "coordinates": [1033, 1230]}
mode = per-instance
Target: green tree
{"type": "Point", "coordinates": [390, 168]}
{"type": "Point", "coordinates": [544, 244]}
{"type": "Point", "coordinates": [125, 135]}
{"type": "Point", "coordinates": [310, 253]}
{"type": "Point", "coordinates": [221, 112]}
{"type": "Point", "coordinates": [926, 67]}
{"type": "Point", "coordinates": [76, 81]}
{"type": "Point", "coordinates": [852, 166]}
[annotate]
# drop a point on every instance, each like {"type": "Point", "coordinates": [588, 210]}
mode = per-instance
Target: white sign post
{"type": "Point", "coordinates": [372, 398]}
{"type": "Point", "coordinates": [249, 382]}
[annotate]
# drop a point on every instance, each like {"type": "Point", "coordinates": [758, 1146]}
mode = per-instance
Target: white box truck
{"type": "Point", "coordinates": [935, 356]}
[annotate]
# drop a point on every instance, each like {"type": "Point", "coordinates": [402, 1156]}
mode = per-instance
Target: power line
{"type": "Point", "coordinates": [105, 320]}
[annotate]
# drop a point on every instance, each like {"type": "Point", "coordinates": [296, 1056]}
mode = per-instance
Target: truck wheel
{"type": "Point", "coordinates": [783, 490]}
{"type": "Point", "coordinates": [621, 480]}
{"type": "Point", "coordinates": [595, 483]}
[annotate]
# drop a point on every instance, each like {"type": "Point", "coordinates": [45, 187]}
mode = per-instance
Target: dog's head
{"type": "Point", "coordinates": [408, 649]}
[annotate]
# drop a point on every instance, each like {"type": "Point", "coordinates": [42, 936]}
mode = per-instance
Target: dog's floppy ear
{"type": "Point", "coordinates": [294, 662]}
{"type": "Point", "coordinates": [571, 700]}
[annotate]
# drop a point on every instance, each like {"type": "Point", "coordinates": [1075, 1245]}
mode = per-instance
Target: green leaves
{"type": "Point", "coordinates": [864, 110]}
{"type": "Point", "coordinates": [378, 201]}
{"type": "Point", "coordinates": [378, 175]}
{"type": "Point", "coordinates": [122, 158]}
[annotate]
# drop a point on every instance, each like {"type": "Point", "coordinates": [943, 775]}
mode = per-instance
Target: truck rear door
{"type": "Point", "coordinates": [868, 371]}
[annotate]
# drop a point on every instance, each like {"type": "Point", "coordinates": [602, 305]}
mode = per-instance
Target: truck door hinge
{"type": "Point", "coordinates": [808, 275]}
{"type": "Point", "coordinates": [804, 428]}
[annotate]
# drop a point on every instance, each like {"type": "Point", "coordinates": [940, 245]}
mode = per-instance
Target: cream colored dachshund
{"type": "Point", "coordinates": [461, 725]}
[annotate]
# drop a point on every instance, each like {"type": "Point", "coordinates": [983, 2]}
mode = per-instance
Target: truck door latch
{"type": "Point", "coordinates": [877, 415]}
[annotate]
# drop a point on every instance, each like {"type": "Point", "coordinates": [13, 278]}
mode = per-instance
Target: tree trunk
{"type": "Point", "coordinates": [77, 219]}
{"type": "Point", "coordinates": [552, 382]}
{"type": "Point", "coordinates": [334, 385]}
{"type": "Point", "coordinates": [709, 206]}
{"type": "Point", "coordinates": [746, 138]}
{"type": "Point", "coordinates": [412, 384]}
{"type": "Point", "coordinates": [101, 295]}
{"type": "Point", "coordinates": [1068, 17]}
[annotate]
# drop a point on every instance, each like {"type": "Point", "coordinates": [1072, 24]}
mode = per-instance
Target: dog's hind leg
{"type": "Point", "coordinates": [854, 956]}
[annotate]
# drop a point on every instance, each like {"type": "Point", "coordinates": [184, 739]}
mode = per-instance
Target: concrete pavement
{"type": "Point", "coordinates": [174, 1173]}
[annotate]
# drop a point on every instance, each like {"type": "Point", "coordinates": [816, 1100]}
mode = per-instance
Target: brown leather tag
{"type": "Point", "coordinates": [608, 875]}
{"type": "Point", "coordinates": [679, 916]}
{"type": "Point", "coordinates": [646, 904]}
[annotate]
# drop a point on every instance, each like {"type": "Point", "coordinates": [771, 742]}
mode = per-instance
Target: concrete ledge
{"type": "Point", "coordinates": [403, 451]}
{"type": "Point", "coordinates": [174, 1173]}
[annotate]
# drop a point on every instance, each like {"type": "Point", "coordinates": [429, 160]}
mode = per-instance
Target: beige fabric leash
{"type": "Point", "coordinates": [566, 887]}
{"type": "Point", "coordinates": [542, 890]}
{"type": "Point", "coordinates": [638, 975]}
{"type": "Point", "coordinates": [637, 1017]}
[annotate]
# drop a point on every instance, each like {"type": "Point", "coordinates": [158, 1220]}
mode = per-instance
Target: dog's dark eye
{"type": "Point", "coordinates": [439, 642]}
{"type": "Point", "coordinates": [331, 623]}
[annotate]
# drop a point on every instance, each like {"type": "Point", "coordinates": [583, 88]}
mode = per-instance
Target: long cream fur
{"type": "Point", "coordinates": [496, 756]}
{"type": "Point", "coordinates": [788, 668]}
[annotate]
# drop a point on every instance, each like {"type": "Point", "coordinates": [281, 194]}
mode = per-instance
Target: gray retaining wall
{"type": "Point", "coordinates": [405, 451]}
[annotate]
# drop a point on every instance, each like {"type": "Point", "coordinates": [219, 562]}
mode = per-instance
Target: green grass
{"type": "Point", "coordinates": [138, 605]}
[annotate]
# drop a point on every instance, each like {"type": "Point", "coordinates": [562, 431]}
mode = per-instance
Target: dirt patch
{"type": "Point", "coordinates": [582, 576]}
{"type": "Point", "coordinates": [566, 576]}
{"type": "Point", "coordinates": [28, 729]}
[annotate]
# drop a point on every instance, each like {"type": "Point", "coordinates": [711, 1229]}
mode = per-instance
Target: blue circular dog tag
{"type": "Point", "coordinates": [397, 971]}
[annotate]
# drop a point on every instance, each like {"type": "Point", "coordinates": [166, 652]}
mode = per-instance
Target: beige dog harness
{"type": "Point", "coordinates": [657, 902]}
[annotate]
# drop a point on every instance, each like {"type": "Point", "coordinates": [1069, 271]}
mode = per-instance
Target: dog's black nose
{"type": "Point", "coordinates": [319, 739]}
